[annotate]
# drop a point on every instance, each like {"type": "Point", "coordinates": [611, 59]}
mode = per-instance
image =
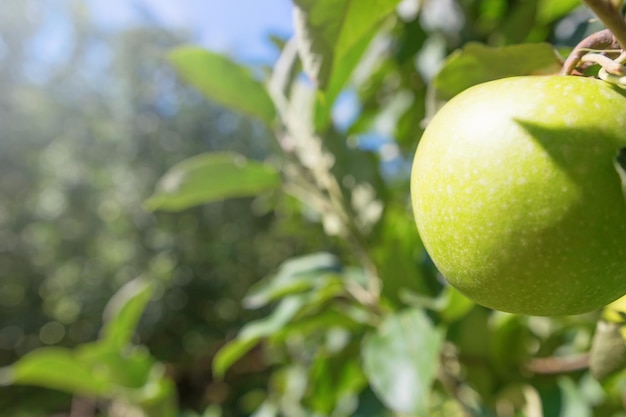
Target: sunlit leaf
{"type": "Point", "coordinates": [333, 34]}
{"type": "Point", "coordinates": [401, 359]}
{"type": "Point", "coordinates": [267, 409]}
{"type": "Point", "coordinates": [56, 368]}
{"type": "Point", "coordinates": [224, 81]}
{"type": "Point", "coordinates": [123, 312]}
{"type": "Point", "coordinates": [211, 177]}
{"type": "Point", "coordinates": [551, 10]}
{"type": "Point", "coordinates": [294, 275]}
{"type": "Point", "coordinates": [128, 367]}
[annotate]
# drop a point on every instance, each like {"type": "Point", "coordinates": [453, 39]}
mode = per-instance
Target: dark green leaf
{"type": "Point", "coordinates": [371, 406]}
{"type": "Point", "coordinates": [123, 312]}
{"type": "Point", "coordinates": [211, 177]}
{"type": "Point", "coordinates": [397, 252]}
{"type": "Point", "coordinates": [332, 35]}
{"type": "Point", "coordinates": [254, 331]}
{"type": "Point", "coordinates": [401, 359]}
{"type": "Point", "coordinates": [565, 400]}
{"type": "Point", "coordinates": [477, 63]}
{"type": "Point", "coordinates": [333, 378]}
{"type": "Point", "coordinates": [223, 81]}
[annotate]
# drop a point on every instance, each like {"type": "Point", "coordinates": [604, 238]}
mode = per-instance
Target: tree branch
{"type": "Point", "coordinates": [598, 41]}
{"type": "Point", "coordinates": [611, 17]}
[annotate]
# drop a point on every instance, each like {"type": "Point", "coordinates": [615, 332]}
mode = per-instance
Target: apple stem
{"type": "Point", "coordinates": [614, 37]}
{"type": "Point", "coordinates": [599, 41]}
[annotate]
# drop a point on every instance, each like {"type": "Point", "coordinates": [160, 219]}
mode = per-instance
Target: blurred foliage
{"type": "Point", "coordinates": [345, 313]}
{"type": "Point", "coordinates": [84, 140]}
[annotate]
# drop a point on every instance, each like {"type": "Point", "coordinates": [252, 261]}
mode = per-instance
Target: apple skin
{"type": "Point", "coordinates": [517, 198]}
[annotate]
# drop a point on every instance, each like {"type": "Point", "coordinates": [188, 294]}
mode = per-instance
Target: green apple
{"type": "Point", "coordinates": [517, 196]}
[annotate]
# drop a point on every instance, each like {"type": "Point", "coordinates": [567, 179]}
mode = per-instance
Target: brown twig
{"type": "Point", "coordinates": [557, 365]}
{"type": "Point", "coordinates": [613, 37]}
{"type": "Point", "coordinates": [598, 41]}
{"type": "Point", "coordinates": [612, 18]}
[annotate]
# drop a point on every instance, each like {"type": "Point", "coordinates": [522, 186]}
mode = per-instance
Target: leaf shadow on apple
{"type": "Point", "coordinates": [586, 242]}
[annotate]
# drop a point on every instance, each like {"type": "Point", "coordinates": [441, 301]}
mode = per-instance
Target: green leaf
{"type": "Point", "coordinates": [551, 10]}
{"type": "Point", "coordinates": [400, 361]}
{"type": "Point", "coordinates": [158, 398]}
{"type": "Point", "coordinates": [477, 63]}
{"type": "Point", "coordinates": [123, 312]}
{"type": "Point", "coordinates": [127, 368]}
{"type": "Point", "coordinates": [267, 409]}
{"type": "Point", "coordinates": [254, 331]}
{"type": "Point", "coordinates": [333, 34]}
{"type": "Point", "coordinates": [325, 98]}
{"type": "Point", "coordinates": [211, 177]}
{"type": "Point", "coordinates": [457, 305]}
{"type": "Point", "coordinates": [56, 368]}
{"type": "Point", "coordinates": [335, 378]}
{"type": "Point", "coordinates": [397, 251]}
{"type": "Point", "coordinates": [294, 275]}
{"type": "Point", "coordinates": [223, 81]}
{"type": "Point", "coordinates": [565, 400]}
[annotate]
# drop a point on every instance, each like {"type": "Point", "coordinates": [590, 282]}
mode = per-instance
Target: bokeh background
{"type": "Point", "coordinates": [91, 115]}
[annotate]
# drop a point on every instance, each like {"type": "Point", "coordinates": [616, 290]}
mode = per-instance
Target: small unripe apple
{"type": "Point", "coordinates": [517, 196]}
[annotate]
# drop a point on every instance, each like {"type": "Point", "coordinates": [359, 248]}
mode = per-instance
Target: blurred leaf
{"type": "Point", "coordinates": [123, 312]}
{"type": "Point", "coordinates": [294, 275]}
{"type": "Point", "coordinates": [401, 359]}
{"type": "Point", "coordinates": [565, 400]}
{"type": "Point", "coordinates": [130, 367]}
{"type": "Point", "coordinates": [520, 22]}
{"type": "Point", "coordinates": [457, 305]}
{"type": "Point", "coordinates": [254, 331]}
{"type": "Point", "coordinates": [319, 322]}
{"type": "Point", "coordinates": [325, 99]}
{"type": "Point", "coordinates": [332, 35]}
{"type": "Point", "coordinates": [615, 312]}
{"type": "Point", "coordinates": [267, 409]}
{"type": "Point", "coordinates": [509, 339]}
{"type": "Point", "coordinates": [211, 177]}
{"type": "Point", "coordinates": [371, 406]}
{"type": "Point", "coordinates": [608, 350]}
{"type": "Point", "coordinates": [159, 398]}
{"type": "Point", "coordinates": [398, 251]}
{"type": "Point", "coordinates": [477, 63]}
{"type": "Point", "coordinates": [223, 81]}
{"type": "Point", "coordinates": [551, 10]}
{"type": "Point", "coordinates": [333, 378]}
{"type": "Point", "coordinates": [56, 368]}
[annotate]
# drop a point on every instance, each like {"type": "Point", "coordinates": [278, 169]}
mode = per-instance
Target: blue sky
{"type": "Point", "coordinates": [238, 27]}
